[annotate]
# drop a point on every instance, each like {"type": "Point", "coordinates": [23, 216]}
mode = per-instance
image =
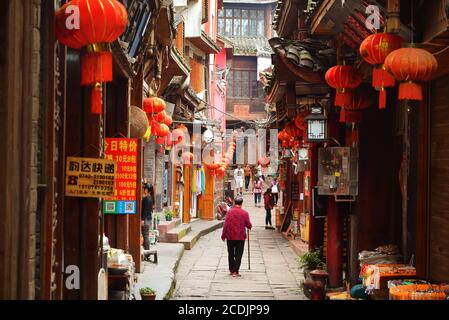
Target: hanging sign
{"type": "Point", "coordinates": [124, 152]}
{"type": "Point", "coordinates": [89, 177]}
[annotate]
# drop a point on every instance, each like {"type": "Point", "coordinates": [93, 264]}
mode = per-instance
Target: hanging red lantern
{"type": "Point", "coordinates": [411, 66]}
{"type": "Point", "coordinates": [100, 23]}
{"type": "Point", "coordinates": [292, 130]}
{"type": "Point", "coordinates": [283, 135]}
{"type": "Point", "coordinates": [361, 99]}
{"type": "Point", "coordinates": [187, 158]}
{"type": "Point", "coordinates": [168, 141]}
{"type": "Point", "coordinates": [154, 127]}
{"type": "Point", "coordinates": [160, 117]}
{"type": "Point", "coordinates": [264, 161]}
{"type": "Point", "coordinates": [160, 140]}
{"type": "Point", "coordinates": [153, 105]}
{"type": "Point", "coordinates": [183, 128]}
{"type": "Point", "coordinates": [177, 136]}
{"type": "Point", "coordinates": [163, 130]}
{"type": "Point", "coordinates": [300, 122]}
{"type": "Point", "coordinates": [168, 120]}
{"type": "Point", "coordinates": [374, 50]}
{"type": "Point", "coordinates": [343, 79]}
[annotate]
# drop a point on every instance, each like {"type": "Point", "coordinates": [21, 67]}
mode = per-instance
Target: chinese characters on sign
{"type": "Point", "coordinates": [90, 178]}
{"type": "Point", "coordinates": [124, 152]}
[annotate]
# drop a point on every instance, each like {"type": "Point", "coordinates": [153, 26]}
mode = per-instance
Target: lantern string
{"type": "Point", "coordinates": [413, 26]}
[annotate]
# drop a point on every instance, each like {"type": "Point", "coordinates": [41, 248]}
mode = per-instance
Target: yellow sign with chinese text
{"type": "Point", "coordinates": [90, 178]}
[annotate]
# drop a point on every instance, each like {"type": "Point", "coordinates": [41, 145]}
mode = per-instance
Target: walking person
{"type": "Point", "coordinates": [247, 171]}
{"type": "Point", "coordinates": [238, 177]}
{"type": "Point", "coordinates": [147, 214]}
{"type": "Point", "coordinates": [268, 202]}
{"type": "Point", "coordinates": [257, 189]}
{"type": "Point", "coordinates": [275, 191]}
{"type": "Point", "coordinates": [234, 232]}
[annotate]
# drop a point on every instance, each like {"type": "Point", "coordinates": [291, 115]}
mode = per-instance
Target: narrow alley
{"type": "Point", "coordinates": [275, 273]}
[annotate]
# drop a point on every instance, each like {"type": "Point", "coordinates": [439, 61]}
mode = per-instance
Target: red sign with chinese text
{"type": "Point", "coordinates": [124, 152]}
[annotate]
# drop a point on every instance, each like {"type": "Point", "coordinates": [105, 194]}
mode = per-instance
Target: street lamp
{"type": "Point", "coordinates": [316, 124]}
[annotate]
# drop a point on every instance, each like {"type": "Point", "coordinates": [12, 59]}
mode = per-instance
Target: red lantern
{"type": "Point", "coordinates": [410, 66]}
{"type": "Point", "coordinates": [163, 130]}
{"type": "Point", "coordinates": [374, 50]}
{"type": "Point", "coordinates": [168, 141]}
{"type": "Point", "coordinates": [187, 158]}
{"type": "Point", "coordinates": [168, 120]}
{"type": "Point", "coordinates": [283, 135]}
{"type": "Point", "coordinates": [183, 128]}
{"type": "Point", "coordinates": [160, 140]}
{"type": "Point", "coordinates": [264, 161]}
{"type": "Point", "coordinates": [153, 105]}
{"type": "Point", "coordinates": [177, 136]}
{"type": "Point", "coordinates": [154, 127]}
{"type": "Point", "coordinates": [361, 99]}
{"type": "Point", "coordinates": [160, 117]}
{"type": "Point", "coordinates": [292, 130]}
{"type": "Point", "coordinates": [343, 79]}
{"type": "Point", "coordinates": [100, 23]}
{"type": "Point", "coordinates": [300, 122]}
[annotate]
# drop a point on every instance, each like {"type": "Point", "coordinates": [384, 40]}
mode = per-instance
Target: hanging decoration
{"type": "Point", "coordinates": [374, 50]}
{"type": "Point", "coordinates": [101, 22]}
{"type": "Point", "coordinates": [411, 66]}
{"type": "Point", "coordinates": [361, 99]}
{"type": "Point", "coordinates": [153, 105]}
{"type": "Point", "coordinates": [343, 78]}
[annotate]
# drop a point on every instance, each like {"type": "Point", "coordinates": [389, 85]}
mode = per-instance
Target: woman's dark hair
{"type": "Point", "coordinates": [238, 201]}
{"type": "Point", "coordinates": [268, 190]}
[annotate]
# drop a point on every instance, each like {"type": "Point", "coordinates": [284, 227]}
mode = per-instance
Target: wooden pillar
{"type": "Point", "coordinates": [315, 225]}
{"type": "Point", "coordinates": [82, 216]}
{"type": "Point", "coordinates": [187, 193]}
{"type": "Point", "coordinates": [394, 20]}
{"type": "Point", "coordinates": [334, 244]}
{"type": "Point", "coordinates": [208, 198]}
{"type": "Point", "coordinates": [134, 223]}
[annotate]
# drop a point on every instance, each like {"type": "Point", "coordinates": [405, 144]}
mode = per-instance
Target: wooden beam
{"type": "Point", "coordinates": [394, 16]}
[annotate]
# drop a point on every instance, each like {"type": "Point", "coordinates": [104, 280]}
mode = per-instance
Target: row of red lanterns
{"type": "Point", "coordinates": [409, 65]}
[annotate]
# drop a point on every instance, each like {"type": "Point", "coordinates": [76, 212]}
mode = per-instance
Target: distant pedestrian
{"type": "Point", "coordinates": [147, 214]}
{"type": "Point", "coordinates": [247, 171]}
{"type": "Point", "coordinates": [257, 189]}
{"type": "Point", "coordinates": [260, 172]}
{"type": "Point", "coordinates": [234, 231]}
{"type": "Point", "coordinates": [238, 177]}
{"type": "Point", "coordinates": [275, 191]}
{"type": "Point", "coordinates": [268, 202]}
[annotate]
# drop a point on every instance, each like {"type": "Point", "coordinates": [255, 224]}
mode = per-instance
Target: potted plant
{"type": "Point", "coordinates": [147, 293]}
{"type": "Point", "coordinates": [311, 261]}
{"type": "Point", "coordinates": [168, 215]}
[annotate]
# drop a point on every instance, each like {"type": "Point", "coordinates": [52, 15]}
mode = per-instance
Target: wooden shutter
{"type": "Point", "coordinates": [439, 182]}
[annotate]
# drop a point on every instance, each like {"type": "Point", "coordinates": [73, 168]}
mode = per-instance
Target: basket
{"type": "Point", "coordinates": [417, 292]}
{"type": "Point", "coordinates": [138, 122]}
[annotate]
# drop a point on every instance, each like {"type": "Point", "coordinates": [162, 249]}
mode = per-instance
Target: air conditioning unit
{"type": "Point", "coordinates": [338, 171]}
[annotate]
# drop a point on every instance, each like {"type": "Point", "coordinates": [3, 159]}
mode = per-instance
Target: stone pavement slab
{"type": "Point", "coordinates": [275, 273]}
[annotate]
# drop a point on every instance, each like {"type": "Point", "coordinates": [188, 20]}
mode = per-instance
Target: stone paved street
{"type": "Point", "coordinates": [275, 274]}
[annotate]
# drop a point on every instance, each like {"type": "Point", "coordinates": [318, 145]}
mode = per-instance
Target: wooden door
{"type": "Point", "coordinates": [439, 182]}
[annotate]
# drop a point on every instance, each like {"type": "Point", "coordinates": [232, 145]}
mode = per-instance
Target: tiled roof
{"type": "Point", "coordinates": [246, 46]}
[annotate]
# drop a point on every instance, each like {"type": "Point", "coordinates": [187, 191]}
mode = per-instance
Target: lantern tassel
{"type": "Point", "coordinates": [96, 99]}
{"type": "Point", "coordinates": [343, 99]}
{"type": "Point", "coordinates": [381, 78]}
{"type": "Point", "coordinates": [382, 98]}
{"type": "Point", "coordinates": [410, 91]}
{"type": "Point", "coordinates": [342, 115]}
{"type": "Point", "coordinates": [96, 67]}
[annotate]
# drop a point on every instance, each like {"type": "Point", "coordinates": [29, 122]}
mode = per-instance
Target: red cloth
{"type": "Point", "coordinates": [237, 220]}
